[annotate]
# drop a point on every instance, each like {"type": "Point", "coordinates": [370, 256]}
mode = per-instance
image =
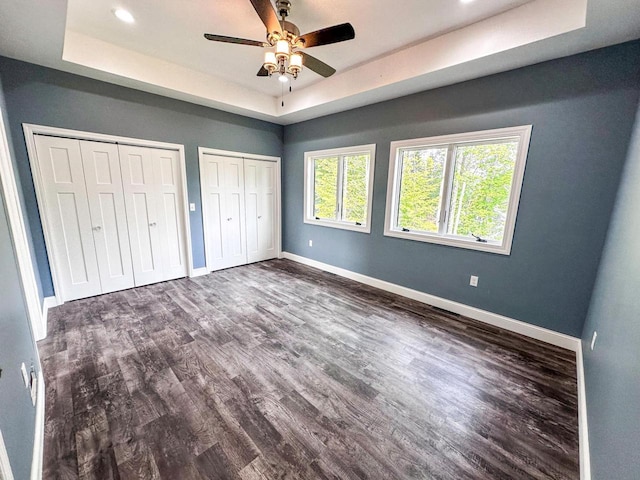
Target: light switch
{"type": "Point", "coordinates": [192, 207]}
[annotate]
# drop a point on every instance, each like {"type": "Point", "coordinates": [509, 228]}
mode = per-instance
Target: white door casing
{"type": "Point", "coordinates": [67, 214]}
{"type": "Point", "coordinates": [260, 201]}
{"type": "Point", "coordinates": [109, 219]}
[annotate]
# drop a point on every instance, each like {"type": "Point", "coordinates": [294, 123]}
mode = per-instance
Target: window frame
{"type": "Point", "coordinates": [522, 133]}
{"type": "Point", "coordinates": [309, 186]}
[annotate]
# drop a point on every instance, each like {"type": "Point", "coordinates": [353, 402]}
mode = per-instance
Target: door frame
{"type": "Point", "coordinates": [30, 130]}
{"type": "Point", "coordinates": [249, 156]}
{"type": "Point", "coordinates": [21, 246]}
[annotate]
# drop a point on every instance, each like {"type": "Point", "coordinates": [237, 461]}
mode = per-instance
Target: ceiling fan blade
{"type": "Point", "coordinates": [263, 72]}
{"type": "Point", "coordinates": [239, 41]}
{"type": "Point", "coordinates": [267, 14]}
{"type": "Point", "coordinates": [318, 66]}
{"type": "Point", "coordinates": [325, 36]}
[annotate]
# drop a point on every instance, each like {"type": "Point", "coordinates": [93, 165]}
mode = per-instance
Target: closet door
{"type": "Point", "coordinates": [223, 211]}
{"type": "Point", "coordinates": [260, 201]}
{"type": "Point", "coordinates": [67, 216]}
{"type": "Point", "coordinates": [140, 196]}
{"type": "Point", "coordinates": [170, 213]}
{"type": "Point", "coordinates": [109, 219]}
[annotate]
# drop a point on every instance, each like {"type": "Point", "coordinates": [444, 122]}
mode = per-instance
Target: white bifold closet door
{"type": "Point", "coordinates": [260, 201]}
{"type": "Point", "coordinates": [109, 218]}
{"type": "Point", "coordinates": [152, 193]}
{"type": "Point", "coordinates": [67, 213]}
{"type": "Point", "coordinates": [224, 211]}
{"type": "Point", "coordinates": [114, 214]}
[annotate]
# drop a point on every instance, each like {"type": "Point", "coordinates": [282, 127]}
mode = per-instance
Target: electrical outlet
{"type": "Point", "coordinates": [593, 339]}
{"type": "Point", "coordinates": [311, 243]}
{"type": "Point", "coordinates": [473, 281]}
{"type": "Point", "coordinates": [192, 207]}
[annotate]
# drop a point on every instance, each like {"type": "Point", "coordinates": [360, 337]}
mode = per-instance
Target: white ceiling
{"type": "Point", "coordinates": [400, 47]}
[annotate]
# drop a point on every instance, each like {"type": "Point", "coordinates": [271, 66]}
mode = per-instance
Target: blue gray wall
{"type": "Point", "coordinates": [612, 369]}
{"type": "Point", "coordinates": [582, 110]}
{"type": "Point", "coordinates": [17, 414]}
{"type": "Point", "coordinates": [49, 97]}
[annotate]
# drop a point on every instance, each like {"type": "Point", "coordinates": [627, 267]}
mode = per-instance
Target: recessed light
{"type": "Point", "coordinates": [466, 1]}
{"type": "Point", "coordinates": [124, 15]}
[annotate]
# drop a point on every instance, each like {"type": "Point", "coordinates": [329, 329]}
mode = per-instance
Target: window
{"type": "Point", "coordinates": [338, 187]}
{"type": "Point", "coordinates": [461, 190]}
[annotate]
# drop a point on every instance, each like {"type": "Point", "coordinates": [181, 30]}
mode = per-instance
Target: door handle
{"type": "Point", "coordinates": [229, 219]}
{"type": "Point", "coordinates": [259, 217]}
{"type": "Point", "coordinates": [97, 228]}
{"type": "Point", "coordinates": [152, 224]}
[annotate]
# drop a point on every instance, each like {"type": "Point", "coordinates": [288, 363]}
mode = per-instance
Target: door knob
{"type": "Point", "coordinates": [152, 224]}
{"type": "Point", "coordinates": [229, 219]}
{"type": "Point", "coordinates": [97, 228]}
{"type": "Point", "coordinates": [259, 216]}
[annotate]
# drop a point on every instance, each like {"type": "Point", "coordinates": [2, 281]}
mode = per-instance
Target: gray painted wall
{"type": "Point", "coordinates": [612, 369]}
{"type": "Point", "coordinates": [17, 414]}
{"type": "Point", "coordinates": [49, 97]}
{"type": "Point", "coordinates": [582, 110]}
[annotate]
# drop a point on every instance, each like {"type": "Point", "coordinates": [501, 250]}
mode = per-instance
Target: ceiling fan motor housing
{"type": "Point", "coordinates": [283, 7]}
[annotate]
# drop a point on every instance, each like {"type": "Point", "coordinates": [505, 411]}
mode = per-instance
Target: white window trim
{"type": "Point", "coordinates": [309, 184]}
{"type": "Point", "coordinates": [523, 133]}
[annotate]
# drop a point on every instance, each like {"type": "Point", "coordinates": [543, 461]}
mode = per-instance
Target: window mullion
{"type": "Point", "coordinates": [339, 188]}
{"type": "Point", "coordinates": [445, 195]}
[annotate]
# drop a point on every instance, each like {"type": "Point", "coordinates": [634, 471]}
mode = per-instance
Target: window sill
{"type": "Point", "coordinates": [340, 225]}
{"type": "Point", "coordinates": [501, 249]}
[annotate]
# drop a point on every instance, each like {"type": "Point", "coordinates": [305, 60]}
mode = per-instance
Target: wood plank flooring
{"type": "Point", "coordinates": [280, 371]}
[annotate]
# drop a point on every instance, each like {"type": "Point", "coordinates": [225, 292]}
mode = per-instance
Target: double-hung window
{"type": "Point", "coordinates": [461, 190]}
{"type": "Point", "coordinates": [338, 187]}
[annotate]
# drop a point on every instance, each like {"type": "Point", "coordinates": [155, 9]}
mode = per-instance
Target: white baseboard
{"type": "Point", "coordinates": [543, 334]}
{"type": "Point", "coordinates": [38, 440]}
{"type": "Point", "coordinates": [585, 457]}
{"type": "Point", "coordinates": [47, 303]}
{"type": "Point", "coordinates": [198, 272]}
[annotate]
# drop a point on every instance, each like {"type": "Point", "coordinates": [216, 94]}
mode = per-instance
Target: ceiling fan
{"type": "Point", "coordinates": [285, 55]}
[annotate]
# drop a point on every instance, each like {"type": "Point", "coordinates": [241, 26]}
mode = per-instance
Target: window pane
{"type": "Point", "coordinates": [354, 194]}
{"type": "Point", "coordinates": [422, 173]}
{"type": "Point", "coordinates": [325, 187]}
{"type": "Point", "coordinates": [481, 189]}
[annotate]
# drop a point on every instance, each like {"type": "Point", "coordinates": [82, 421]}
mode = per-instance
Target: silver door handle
{"type": "Point", "coordinates": [229, 219]}
{"type": "Point", "coordinates": [152, 224]}
{"type": "Point", "coordinates": [97, 228]}
{"type": "Point", "coordinates": [259, 216]}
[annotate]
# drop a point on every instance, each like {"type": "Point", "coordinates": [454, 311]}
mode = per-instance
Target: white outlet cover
{"type": "Point", "coordinates": [192, 207]}
{"type": "Point", "coordinates": [25, 375]}
{"type": "Point", "coordinates": [311, 243]}
{"type": "Point", "coordinates": [473, 281]}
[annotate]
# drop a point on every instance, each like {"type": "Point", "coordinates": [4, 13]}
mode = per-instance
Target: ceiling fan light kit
{"type": "Point", "coordinates": [284, 42]}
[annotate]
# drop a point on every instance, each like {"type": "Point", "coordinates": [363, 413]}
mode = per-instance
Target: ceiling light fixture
{"type": "Point", "coordinates": [124, 15]}
{"type": "Point", "coordinates": [284, 44]}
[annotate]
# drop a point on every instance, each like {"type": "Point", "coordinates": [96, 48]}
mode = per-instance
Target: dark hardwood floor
{"type": "Point", "coordinates": [280, 371]}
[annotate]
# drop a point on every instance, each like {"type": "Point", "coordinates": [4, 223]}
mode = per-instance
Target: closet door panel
{"type": "Point", "coordinates": [252, 207]}
{"type": "Point", "coordinates": [236, 243]}
{"type": "Point", "coordinates": [170, 212]}
{"type": "Point", "coordinates": [260, 188]}
{"type": "Point", "coordinates": [213, 209]}
{"type": "Point", "coordinates": [224, 211]}
{"type": "Point", "coordinates": [68, 218]}
{"type": "Point", "coordinates": [106, 203]}
{"type": "Point", "coordinates": [138, 180]}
